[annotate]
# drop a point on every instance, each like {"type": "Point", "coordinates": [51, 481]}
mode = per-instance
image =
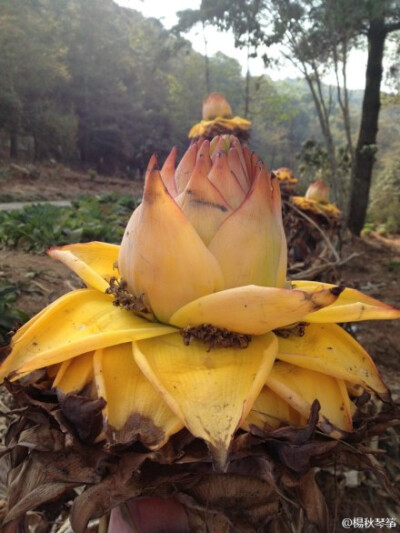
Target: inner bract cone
{"type": "Point", "coordinates": [189, 368]}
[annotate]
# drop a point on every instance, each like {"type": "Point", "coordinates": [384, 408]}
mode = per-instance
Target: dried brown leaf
{"type": "Point", "coordinates": [120, 486]}
{"type": "Point", "coordinates": [311, 499]}
{"type": "Point", "coordinates": [44, 477]}
{"type": "Point", "coordinates": [84, 414]}
{"type": "Point", "coordinates": [207, 522]}
{"type": "Point", "coordinates": [42, 438]}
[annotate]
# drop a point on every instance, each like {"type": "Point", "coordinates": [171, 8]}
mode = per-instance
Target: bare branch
{"type": "Point", "coordinates": [394, 26]}
{"type": "Point", "coordinates": [312, 271]}
{"type": "Point", "coordinates": [311, 221]}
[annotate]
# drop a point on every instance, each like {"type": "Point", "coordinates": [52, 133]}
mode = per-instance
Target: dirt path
{"type": "Point", "coordinates": [39, 279]}
{"type": "Point", "coordinates": [12, 206]}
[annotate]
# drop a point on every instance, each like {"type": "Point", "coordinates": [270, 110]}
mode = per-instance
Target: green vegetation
{"type": "Point", "coordinates": [319, 36]}
{"type": "Point", "coordinates": [384, 209]}
{"type": "Point", "coordinates": [38, 227]}
{"type": "Point", "coordinates": [94, 84]}
{"type": "Point", "coordinates": [10, 316]}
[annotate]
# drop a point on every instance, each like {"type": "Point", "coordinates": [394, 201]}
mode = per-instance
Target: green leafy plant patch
{"type": "Point", "coordinates": [37, 227]}
{"type": "Point", "coordinates": [10, 317]}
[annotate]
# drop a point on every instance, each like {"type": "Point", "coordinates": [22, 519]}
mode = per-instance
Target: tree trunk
{"type": "Point", "coordinates": [13, 145]}
{"type": "Point", "coordinates": [365, 149]}
{"type": "Point", "coordinates": [36, 149]}
{"type": "Point", "coordinates": [247, 86]}
{"type": "Point", "coordinates": [247, 94]}
{"type": "Point", "coordinates": [336, 185]}
{"type": "Point", "coordinates": [206, 61]}
{"type": "Point", "coordinates": [315, 85]}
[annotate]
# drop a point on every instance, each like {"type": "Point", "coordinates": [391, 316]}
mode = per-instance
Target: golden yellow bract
{"type": "Point", "coordinates": [228, 280]}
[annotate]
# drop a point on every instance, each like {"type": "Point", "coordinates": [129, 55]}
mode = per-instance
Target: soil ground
{"type": "Point", "coordinates": [374, 269]}
{"type": "Point", "coordinates": [19, 183]}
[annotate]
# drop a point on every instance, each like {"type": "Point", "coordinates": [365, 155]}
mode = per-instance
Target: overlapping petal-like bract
{"type": "Point", "coordinates": [222, 229]}
{"type": "Point", "coordinates": [205, 251]}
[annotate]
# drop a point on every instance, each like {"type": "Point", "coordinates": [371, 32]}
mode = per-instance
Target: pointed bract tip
{"type": "Point", "coordinates": [202, 162]}
{"type": "Point", "coordinates": [49, 251]}
{"type": "Point", "coordinates": [276, 195]}
{"type": "Point", "coordinates": [173, 153]}
{"type": "Point", "coordinates": [153, 184]}
{"type": "Point", "coordinates": [261, 166]}
{"type": "Point", "coordinates": [203, 142]}
{"type": "Point", "coordinates": [204, 148]}
{"type": "Point", "coordinates": [170, 161]}
{"type": "Point", "coordinates": [220, 457]}
{"type": "Point", "coordinates": [153, 161]}
{"type": "Point", "coordinates": [152, 165]}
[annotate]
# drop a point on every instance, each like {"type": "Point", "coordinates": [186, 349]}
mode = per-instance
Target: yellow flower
{"type": "Point", "coordinates": [286, 179]}
{"type": "Point", "coordinates": [218, 119]}
{"type": "Point", "coordinates": [207, 333]}
{"type": "Point", "coordinates": [316, 200]}
{"type": "Point", "coordinates": [286, 176]}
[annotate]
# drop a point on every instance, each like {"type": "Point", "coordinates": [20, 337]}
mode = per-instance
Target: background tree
{"type": "Point", "coordinates": [385, 198]}
{"type": "Point", "coordinates": [303, 30]}
{"type": "Point", "coordinates": [99, 85]}
{"type": "Point", "coordinates": [32, 67]}
{"type": "Point", "coordinates": [318, 35]}
{"type": "Point", "coordinates": [378, 20]}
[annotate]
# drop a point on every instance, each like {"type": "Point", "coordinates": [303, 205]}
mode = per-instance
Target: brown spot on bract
{"type": "Point", "coordinates": [202, 203]}
{"type": "Point", "coordinates": [137, 428]}
{"type": "Point", "coordinates": [297, 330]}
{"type": "Point", "coordinates": [336, 291]}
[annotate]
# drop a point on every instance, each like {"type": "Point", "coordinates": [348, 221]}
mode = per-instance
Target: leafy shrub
{"type": "Point", "coordinates": [37, 227]}
{"type": "Point", "coordinates": [4, 174]}
{"type": "Point", "coordinates": [384, 208]}
{"type": "Point", "coordinates": [9, 316]}
{"type": "Point", "coordinates": [314, 163]}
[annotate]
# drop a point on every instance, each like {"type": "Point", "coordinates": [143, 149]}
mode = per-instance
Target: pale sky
{"type": "Point", "coordinates": [165, 11]}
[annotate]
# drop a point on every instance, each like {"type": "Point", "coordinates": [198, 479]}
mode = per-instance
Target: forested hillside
{"type": "Point", "coordinates": [93, 84]}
